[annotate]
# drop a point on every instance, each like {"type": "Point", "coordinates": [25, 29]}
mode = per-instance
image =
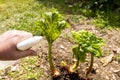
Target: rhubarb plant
{"type": "Point", "coordinates": [87, 42]}
{"type": "Point", "coordinates": [51, 26]}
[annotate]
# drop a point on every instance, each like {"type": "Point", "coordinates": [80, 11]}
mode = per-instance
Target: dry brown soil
{"type": "Point", "coordinates": [62, 52]}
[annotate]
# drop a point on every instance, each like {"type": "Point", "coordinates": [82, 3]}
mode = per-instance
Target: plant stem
{"type": "Point", "coordinates": [50, 57]}
{"type": "Point", "coordinates": [91, 65]}
{"type": "Point", "coordinates": [76, 64]}
{"type": "Point", "coordinates": [78, 60]}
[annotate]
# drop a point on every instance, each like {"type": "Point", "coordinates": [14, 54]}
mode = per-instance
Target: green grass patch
{"type": "Point", "coordinates": [20, 14]}
{"type": "Point", "coordinates": [26, 70]}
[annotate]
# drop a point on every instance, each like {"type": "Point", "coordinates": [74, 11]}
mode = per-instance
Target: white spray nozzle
{"type": "Point", "coordinates": [28, 43]}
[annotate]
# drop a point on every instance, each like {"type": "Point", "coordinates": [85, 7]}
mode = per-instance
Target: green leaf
{"type": "Point", "coordinates": [76, 52]}
{"type": "Point", "coordinates": [88, 42]}
{"type": "Point", "coordinates": [82, 56]}
{"type": "Point", "coordinates": [79, 55]}
{"type": "Point", "coordinates": [51, 25]}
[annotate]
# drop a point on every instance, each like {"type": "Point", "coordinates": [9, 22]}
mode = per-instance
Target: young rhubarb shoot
{"type": "Point", "coordinates": [51, 26]}
{"type": "Point", "coordinates": [80, 57]}
{"type": "Point", "coordinates": [87, 43]}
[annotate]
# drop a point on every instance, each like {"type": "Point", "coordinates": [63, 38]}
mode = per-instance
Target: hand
{"type": "Point", "coordinates": [8, 42]}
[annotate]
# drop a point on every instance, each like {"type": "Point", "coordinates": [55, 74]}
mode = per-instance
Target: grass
{"type": "Point", "coordinates": [107, 20]}
{"type": "Point", "coordinates": [104, 19]}
{"type": "Point", "coordinates": [26, 69]}
{"type": "Point", "coordinates": [22, 15]}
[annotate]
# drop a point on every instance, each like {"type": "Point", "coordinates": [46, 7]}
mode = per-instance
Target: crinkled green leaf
{"type": "Point", "coordinates": [51, 25]}
{"type": "Point", "coordinates": [89, 42]}
{"type": "Point", "coordinates": [79, 55]}
{"type": "Point", "coordinates": [82, 56]}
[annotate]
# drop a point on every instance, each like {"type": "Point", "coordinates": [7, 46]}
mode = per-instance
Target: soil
{"type": "Point", "coordinates": [62, 52]}
{"type": "Point", "coordinates": [66, 75]}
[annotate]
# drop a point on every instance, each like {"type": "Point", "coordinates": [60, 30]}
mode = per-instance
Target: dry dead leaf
{"type": "Point", "coordinates": [106, 60]}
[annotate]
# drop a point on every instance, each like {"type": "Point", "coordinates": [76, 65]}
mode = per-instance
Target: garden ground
{"type": "Point", "coordinates": [105, 68]}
